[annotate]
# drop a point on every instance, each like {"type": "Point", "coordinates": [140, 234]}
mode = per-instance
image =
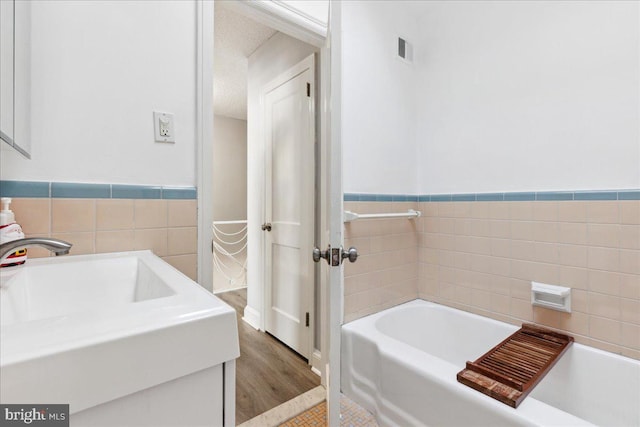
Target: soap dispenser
{"type": "Point", "coordinates": [9, 231]}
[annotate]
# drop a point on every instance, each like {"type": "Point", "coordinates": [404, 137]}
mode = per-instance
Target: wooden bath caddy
{"type": "Point", "coordinates": [510, 370]}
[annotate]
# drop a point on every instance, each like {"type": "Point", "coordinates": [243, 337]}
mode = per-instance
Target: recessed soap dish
{"type": "Point", "coordinates": [551, 296]}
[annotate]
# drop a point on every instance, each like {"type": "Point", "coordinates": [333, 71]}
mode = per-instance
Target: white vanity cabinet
{"type": "Point", "coordinates": [193, 400]}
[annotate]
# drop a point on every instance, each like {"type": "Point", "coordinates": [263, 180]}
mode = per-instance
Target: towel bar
{"type": "Point", "coordinates": [352, 216]}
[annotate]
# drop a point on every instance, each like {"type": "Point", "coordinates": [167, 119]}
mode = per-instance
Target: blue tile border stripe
{"type": "Point", "coordinates": [595, 195]}
{"type": "Point", "coordinates": [37, 189]}
{"type": "Point", "coordinates": [490, 197]}
{"type": "Point", "coordinates": [80, 191]}
{"type": "Point", "coordinates": [551, 195]}
{"type": "Point", "coordinates": [629, 195]}
{"type": "Point", "coordinates": [463, 197]}
{"type": "Point", "coordinates": [24, 189]}
{"type": "Point", "coordinates": [119, 191]}
{"type": "Point", "coordinates": [441, 198]}
{"type": "Point", "coordinates": [358, 197]}
{"type": "Point", "coordinates": [494, 197]}
{"type": "Point", "coordinates": [179, 193]}
{"type": "Point", "coordinates": [519, 197]}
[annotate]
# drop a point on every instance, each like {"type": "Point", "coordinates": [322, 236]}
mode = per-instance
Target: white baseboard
{"type": "Point", "coordinates": [252, 317]}
{"type": "Point", "coordinates": [316, 371]}
{"type": "Point", "coordinates": [221, 291]}
{"type": "Point", "coordinates": [317, 363]}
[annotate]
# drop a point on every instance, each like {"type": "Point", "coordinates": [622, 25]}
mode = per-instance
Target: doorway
{"type": "Point", "coordinates": [263, 361]}
{"type": "Point", "coordinates": [264, 301]}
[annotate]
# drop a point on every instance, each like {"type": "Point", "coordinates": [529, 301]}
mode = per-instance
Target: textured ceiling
{"type": "Point", "coordinates": [236, 38]}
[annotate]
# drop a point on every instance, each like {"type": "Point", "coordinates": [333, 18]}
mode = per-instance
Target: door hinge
{"type": "Point", "coordinates": [309, 90]}
{"type": "Point", "coordinates": [306, 322]}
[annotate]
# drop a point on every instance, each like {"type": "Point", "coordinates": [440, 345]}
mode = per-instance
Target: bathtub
{"type": "Point", "coordinates": [401, 365]}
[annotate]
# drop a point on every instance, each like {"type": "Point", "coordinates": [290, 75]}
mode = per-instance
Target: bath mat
{"type": "Point", "coordinates": [314, 417]}
{"type": "Point", "coordinates": [510, 370]}
{"type": "Point", "coordinates": [351, 415]}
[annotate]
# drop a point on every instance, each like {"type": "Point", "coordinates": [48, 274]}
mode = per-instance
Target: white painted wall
{"type": "Point", "coordinates": [378, 101]}
{"type": "Point", "coordinates": [99, 70]}
{"type": "Point", "coordinates": [229, 169]}
{"type": "Point", "coordinates": [504, 96]}
{"type": "Point", "coordinates": [523, 96]}
{"type": "Point", "coordinates": [278, 54]}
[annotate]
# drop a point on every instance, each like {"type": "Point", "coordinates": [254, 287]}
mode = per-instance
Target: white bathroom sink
{"type": "Point", "coordinates": [56, 289]}
{"type": "Point", "coordinates": [88, 329]}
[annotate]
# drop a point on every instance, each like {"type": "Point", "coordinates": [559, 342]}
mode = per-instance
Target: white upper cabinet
{"type": "Point", "coordinates": [15, 30]}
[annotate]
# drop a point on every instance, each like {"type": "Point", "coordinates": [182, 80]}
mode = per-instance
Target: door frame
{"type": "Point", "coordinates": [204, 140]}
{"type": "Point", "coordinates": [332, 216]}
{"type": "Point", "coordinates": [302, 27]}
{"type": "Point", "coordinates": [307, 63]}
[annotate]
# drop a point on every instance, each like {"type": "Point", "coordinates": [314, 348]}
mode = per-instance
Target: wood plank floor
{"type": "Point", "coordinates": [268, 373]}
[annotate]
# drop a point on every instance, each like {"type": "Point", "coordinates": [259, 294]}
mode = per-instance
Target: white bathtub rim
{"type": "Point", "coordinates": [418, 302]}
{"type": "Point", "coordinates": [531, 409]}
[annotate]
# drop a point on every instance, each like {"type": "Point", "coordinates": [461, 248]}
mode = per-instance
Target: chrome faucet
{"type": "Point", "coordinates": [58, 247]}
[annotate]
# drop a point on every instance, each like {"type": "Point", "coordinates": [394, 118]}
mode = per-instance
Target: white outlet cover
{"type": "Point", "coordinates": [163, 127]}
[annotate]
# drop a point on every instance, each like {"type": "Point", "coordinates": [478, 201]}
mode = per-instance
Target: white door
{"type": "Point", "coordinates": [289, 205]}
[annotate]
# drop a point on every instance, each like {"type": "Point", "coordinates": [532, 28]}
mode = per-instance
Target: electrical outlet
{"type": "Point", "coordinates": [163, 127]}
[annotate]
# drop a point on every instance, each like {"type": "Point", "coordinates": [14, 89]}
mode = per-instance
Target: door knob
{"type": "Point", "coordinates": [351, 254]}
{"type": "Point", "coordinates": [266, 226]}
{"type": "Point", "coordinates": [318, 254]}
